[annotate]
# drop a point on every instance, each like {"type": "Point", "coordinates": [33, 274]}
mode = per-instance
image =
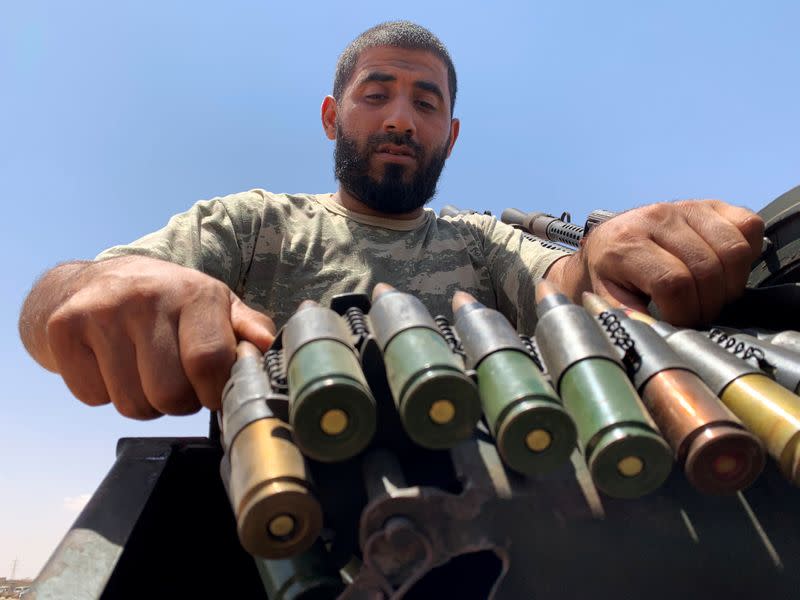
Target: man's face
{"type": "Point", "coordinates": [393, 129]}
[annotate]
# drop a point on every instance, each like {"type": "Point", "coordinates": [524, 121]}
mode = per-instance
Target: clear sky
{"type": "Point", "coordinates": [115, 115]}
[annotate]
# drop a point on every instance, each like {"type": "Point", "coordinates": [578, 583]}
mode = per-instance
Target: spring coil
{"type": "Point", "coordinates": [622, 339]}
{"type": "Point", "coordinates": [357, 321]}
{"type": "Point", "coordinates": [530, 346]}
{"type": "Point", "coordinates": [449, 335]}
{"type": "Point", "coordinates": [740, 349]}
{"type": "Point", "coordinates": [276, 371]}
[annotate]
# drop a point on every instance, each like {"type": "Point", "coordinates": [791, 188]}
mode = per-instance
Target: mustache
{"type": "Point", "coordinates": [397, 139]}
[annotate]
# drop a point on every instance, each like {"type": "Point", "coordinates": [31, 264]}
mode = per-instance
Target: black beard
{"type": "Point", "coordinates": [391, 195]}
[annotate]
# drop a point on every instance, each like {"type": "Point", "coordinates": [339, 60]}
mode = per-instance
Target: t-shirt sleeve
{"type": "Point", "coordinates": [214, 236]}
{"type": "Point", "coordinates": [515, 263]}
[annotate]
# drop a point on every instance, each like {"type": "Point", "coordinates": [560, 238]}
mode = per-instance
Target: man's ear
{"type": "Point", "coordinates": [455, 126]}
{"type": "Point", "coordinates": [329, 117]}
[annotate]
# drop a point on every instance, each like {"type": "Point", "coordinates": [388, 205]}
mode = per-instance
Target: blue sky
{"type": "Point", "coordinates": [115, 115]}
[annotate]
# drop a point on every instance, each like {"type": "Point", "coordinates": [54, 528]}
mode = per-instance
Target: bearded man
{"type": "Point", "coordinates": [152, 326]}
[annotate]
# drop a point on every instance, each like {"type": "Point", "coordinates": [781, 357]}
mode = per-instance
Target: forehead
{"type": "Point", "coordinates": [417, 64]}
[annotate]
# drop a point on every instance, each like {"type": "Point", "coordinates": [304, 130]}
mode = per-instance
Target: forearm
{"type": "Point", "coordinates": [47, 294]}
{"type": "Point", "coordinates": [569, 273]}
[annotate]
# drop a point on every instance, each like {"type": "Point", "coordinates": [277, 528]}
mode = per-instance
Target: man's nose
{"type": "Point", "coordinates": [400, 118]}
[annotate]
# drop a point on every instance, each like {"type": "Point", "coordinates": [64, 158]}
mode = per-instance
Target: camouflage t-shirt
{"type": "Point", "coordinates": [276, 250]}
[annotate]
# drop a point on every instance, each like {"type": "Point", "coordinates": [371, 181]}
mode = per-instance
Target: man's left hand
{"type": "Point", "coordinates": [690, 258]}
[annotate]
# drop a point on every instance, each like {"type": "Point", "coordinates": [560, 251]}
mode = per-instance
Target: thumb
{"type": "Point", "coordinates": [251, 325]}
{"type": "Point", "coordinates": [619, 296]}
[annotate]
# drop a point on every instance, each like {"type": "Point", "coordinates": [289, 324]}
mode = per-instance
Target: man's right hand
{"type": "Point", "coordinates": [149, 336]}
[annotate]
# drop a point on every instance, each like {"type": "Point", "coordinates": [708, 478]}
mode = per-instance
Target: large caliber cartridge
{"type": "Point", "coordinates": [438, 404]}
{"type": "Point", "coordinates": [303, 577]}
{"type": "Point", "coordinates": [623, 449]}
{"type": "Point", "coordinates": [533, 432]}
{"type": "Point", "coordinates": [782, 364]}
{"type": "Point", "coordinates": [264, 473]}
{"type": "Point", "coordinates": [331, 409]}
{"type": "Point", "coordinates": [767, 409]}
{"type": "Point", "coordinates": [718, 455]}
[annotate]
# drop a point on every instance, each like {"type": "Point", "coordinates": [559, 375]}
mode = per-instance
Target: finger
{"type": "Point", "coordinates": [158, 358]}
{"type": "Point", "coordinates": [687, 245]}
{"type": "Point", "coordinates": [251, 325]}
{"type": "Point", "coordinates": [750, 224]}
{"type": "Point", "coordinates": [116, 357]}
{"type": "Point", "coordinates": [737, 235]}
{"type": "Point", "coordinates": [651, 271]}
{"type": "Point", "coordinates": [207, 344]}
{"type": "Point", "coordinates": [75, 360]}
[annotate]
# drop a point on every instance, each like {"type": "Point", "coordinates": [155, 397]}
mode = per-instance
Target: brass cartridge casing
{"type": "Point", "coordinates": [771, 412]}
{"type": "Point", "coordinates": [719, 455]}
{"type": "Point", "coordinates": [277, 515]}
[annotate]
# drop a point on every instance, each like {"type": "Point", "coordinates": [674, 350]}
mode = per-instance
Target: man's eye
{"type": "Point", "coordinates": [426, 105]}
{"type": "Point", "coordinates": [376, 96]}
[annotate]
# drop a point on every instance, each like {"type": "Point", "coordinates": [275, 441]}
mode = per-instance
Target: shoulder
{"type": "Point", "coordinates": [262, 205]}
{"type": "Point", "coordinates": [473, 224]}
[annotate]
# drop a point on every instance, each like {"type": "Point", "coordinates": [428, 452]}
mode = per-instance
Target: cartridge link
{"type": "Point", "coordinates": [484, 333]}
{"type": "Point", "coordinates": [654, 356]}
{"type": "Point", "coordinates": [715, 365]}
{"type": "Point", "coordinates": [566, 334]}
{"type": "Point", "coordinates": [312, 324]}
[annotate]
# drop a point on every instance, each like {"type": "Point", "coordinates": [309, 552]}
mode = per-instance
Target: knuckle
{"type": "Point", "coordinates": [176, 399]}
{"type": "Point", "coordinates": [134, 410]}
{"type": "Point", "coordinates": [64, 324]}
{"type": "Point", "coordinates": [738, 253]}
{"type": "Point", "coordinates": [201, 360]}
{"type": "Point", "coordinates": [674, 283]}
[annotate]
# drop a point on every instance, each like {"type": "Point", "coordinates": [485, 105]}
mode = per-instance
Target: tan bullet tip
{"type": "Point", "coordinates": [545, 288]}
{"type": "Point", "coordinates": [538, 440]}
{"type": "Point", "coordinates": [245, 349]}
{"type": "Point", "coordinates": [461, 298]}
{"type": "Point", "coordinates": [630, 466]}
{"type": "Point", "coordinates": [334, 421]}
{"type": "Point", "coordinates": [442, 412]}
{"type": "Point", "coordinates": [380, 289]}
{"type": "Point", "coordinates": [595, 304]}
{"type": "Point", "coordinates": [307, 304]}
{"type": "Point", "coordinates": [639, 316]}
{"type": "Point", "coordinates": [281, 526]}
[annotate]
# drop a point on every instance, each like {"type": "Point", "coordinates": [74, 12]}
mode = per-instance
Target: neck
{"type": "Point", "coordinates": [350, 202]}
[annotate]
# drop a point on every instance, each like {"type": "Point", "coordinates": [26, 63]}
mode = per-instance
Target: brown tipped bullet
{"type": "Point", "coordinates": [638, 316]}
{"type": "Point", "coordinates": [245, 349]}
{"type": "Point", "coordinates": [462, 299]}
{"type": "Point", "coordinates": [380, 289]}
{"type": "Point", "coordinates": [595, 304]}
{"type": "Point", "coordinates": [307, 304]}
{"type": "Point", "coordinates": [545, 288]}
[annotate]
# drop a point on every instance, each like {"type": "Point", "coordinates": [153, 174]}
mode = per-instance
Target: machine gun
{"type": "Point", "coordinates": [401, 517]}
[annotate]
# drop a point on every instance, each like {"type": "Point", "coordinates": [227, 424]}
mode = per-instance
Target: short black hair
{"type": "Point", "coordinates": [397, 34]}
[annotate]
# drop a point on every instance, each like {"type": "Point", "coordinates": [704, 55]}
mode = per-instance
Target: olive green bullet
{"type": "Point", "coordinates": [438, 404]}
{"type": "Point", "coordinates": [623, 449]}
{"type": "Point", "coordinates": [533, 432]}
{"type": "Point", "coordinates": [331, 409]}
